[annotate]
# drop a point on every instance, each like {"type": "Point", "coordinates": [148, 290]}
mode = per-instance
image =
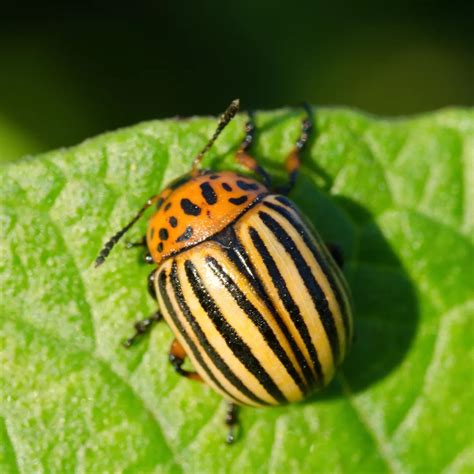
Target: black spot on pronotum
{"type": "Point", "coordinates": [186, 235]}
{"type": "Point", "coordinates": [208, 193]}
{"type": "Point", "coordinates": [190, 208]}
{"type": "Point", "coordinates": [163, 234]}
{"type": "Point", "coordinates": [238, 201]}
{"type": "Point", "coordinates": [173, 221]}
{"type": "Point", "coordinates": [159, 203]}
{"type": "Point", "coordinates": [214, 176]}
{"type": "Point", "coordinates": [159, 247]}
{"type": "Point", "coordinates": [227, 187]}
{"type": "Point", "coordinates": [168, 205]}
{"type": "Point", "coordinates": [247, 186]}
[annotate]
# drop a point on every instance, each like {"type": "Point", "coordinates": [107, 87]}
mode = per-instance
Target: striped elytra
{"type": "Point", "coordinates": [260, 307]}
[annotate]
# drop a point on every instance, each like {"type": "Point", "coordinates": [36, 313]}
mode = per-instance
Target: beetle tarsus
{"type": "Point", "coordinates": [142, 327]}
{"type": "Point", "coordinates": [232, 421]}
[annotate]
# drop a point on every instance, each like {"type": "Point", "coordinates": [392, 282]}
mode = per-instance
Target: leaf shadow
{"type": "Point", "coordinates": [385, 304]}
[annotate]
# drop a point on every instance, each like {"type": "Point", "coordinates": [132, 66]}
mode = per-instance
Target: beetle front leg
{"type": "Point", "coordinates": [140, 243]}
{"type": "Point", "coordinates": [177, 356]}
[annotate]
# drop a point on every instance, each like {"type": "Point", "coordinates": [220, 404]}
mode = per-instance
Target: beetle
{"type": "Point", "coordinates": [252, 294]}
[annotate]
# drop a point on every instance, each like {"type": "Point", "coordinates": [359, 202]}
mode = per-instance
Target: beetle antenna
{"type": "Point", "coordinates": [224, 119]}
{"type": "Point", "coordinates": [104, 253]}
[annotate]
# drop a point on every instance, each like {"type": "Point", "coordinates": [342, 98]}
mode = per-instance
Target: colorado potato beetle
{"type": "Point", "coordinates": [253, 296]}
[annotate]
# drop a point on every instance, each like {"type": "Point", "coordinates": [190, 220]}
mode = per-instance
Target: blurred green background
{"type": "Point", "coordinates": [70, 71]}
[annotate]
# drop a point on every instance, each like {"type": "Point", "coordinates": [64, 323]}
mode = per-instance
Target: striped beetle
{"type": "Point", "coordinates": [251, 293]}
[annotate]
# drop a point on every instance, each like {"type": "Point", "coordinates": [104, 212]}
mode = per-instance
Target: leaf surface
{"type": "Point", "coordinates": [396, 195]}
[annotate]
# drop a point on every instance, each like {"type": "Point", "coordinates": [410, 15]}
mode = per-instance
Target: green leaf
{"type": "Point", "coordinates": [397, 195]}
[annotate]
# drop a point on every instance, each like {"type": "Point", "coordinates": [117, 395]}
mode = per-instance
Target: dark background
{"type": "Point", "coordinates": [69, 71]}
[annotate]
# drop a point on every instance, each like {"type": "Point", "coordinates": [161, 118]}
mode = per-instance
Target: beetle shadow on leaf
{"type": "Point", "coordinates": [385, 303]}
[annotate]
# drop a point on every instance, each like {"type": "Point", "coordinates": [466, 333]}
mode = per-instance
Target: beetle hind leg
{"type": "Point", "coordinates": [232, 421]}
{"type": "Point", "coordinates": [293, 161]}
{"type": "Point", "coordinates": [243, 156]}
{"type": "Point", "coordinates": [177, 356]}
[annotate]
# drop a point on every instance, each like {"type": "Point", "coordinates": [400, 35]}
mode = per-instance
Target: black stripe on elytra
{"type": "Point", "coordinates": [186, 235]}
{"type": "Point", "coordinates": [216, 359]}
{"type": "Point", "coordinates": [289, 304]}
{"type": "Point", "coordinates": [168, 205]}
{"type": "Point", "coordinates": [227, 187]}
{"type": "Point", "coordinates": [317, 295]}
{"type": "Point", "coordinates": [246, 186]}
{"type": "Point", "coordinates": [239, 348]}
{"type": "Point", "coordinates": [208, 193]}
{"type": "Point", "coordinates": [323, 263]}
{"type": "Point", "coordinates": [284, 201]}
{"type": "Point", "coordinates": [182, 331]}
{"type": "Point", "coordinates": [237, 254]}
{"type": "Point", "coordinates": [189, 207]}
{"type": "Point", "coordinates": [238, 201]}
{"type": "Point", "coordinates": [256, 317]}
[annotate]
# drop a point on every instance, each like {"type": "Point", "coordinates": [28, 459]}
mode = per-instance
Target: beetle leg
{"type": "Point", "coordinates": [244, 158]}
{"type": "Point", "coordinates": [232, 421]}
{"type": "Point", "coordinates": [293, 161]}
{"type": "Point", "coordinates": [151, 284]}
{"type": "Point", "coordinates": [142, 327]}
{"type": "Point", "coordinates": [145, 325]}
{"type": "Point", "coordinates": [140, 243]}
{"type": "Point", "coordinates": [177, 355]}
{"type": "Point", "coordinates": [336, 253]}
